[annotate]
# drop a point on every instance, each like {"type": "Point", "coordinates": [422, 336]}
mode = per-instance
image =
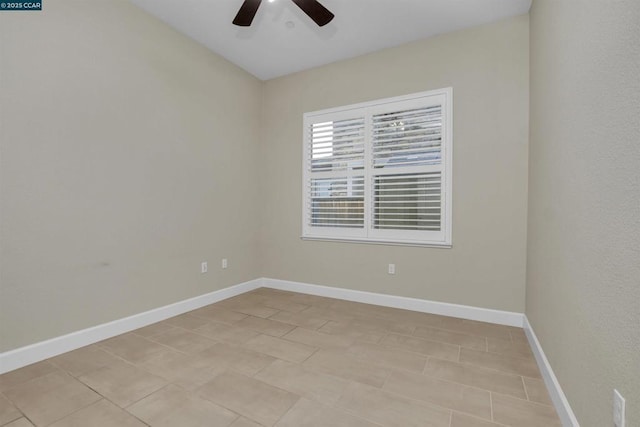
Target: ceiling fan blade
{"type": "Point", "coordinates": [246, 13]}
{"type": "Point", "coordinates": [320, 14]}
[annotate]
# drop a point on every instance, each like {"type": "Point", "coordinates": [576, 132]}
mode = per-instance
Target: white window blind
{"type": "Point", "coordinates": [380, 171]}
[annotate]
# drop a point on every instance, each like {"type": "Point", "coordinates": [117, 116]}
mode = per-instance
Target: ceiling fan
{"type": "Point", "coordinates": [320, 14]}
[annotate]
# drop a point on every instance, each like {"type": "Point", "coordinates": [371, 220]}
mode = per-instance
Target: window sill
{"type": "Point", "coordinates": [378, 242]}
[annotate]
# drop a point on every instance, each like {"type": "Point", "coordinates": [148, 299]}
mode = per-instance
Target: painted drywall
{"type": "Point", "coordinates": [583, 263]}
{"type": "Point", "coordinates": [488, 69]}
{"type": "Point", "coordinates": [128, 156]}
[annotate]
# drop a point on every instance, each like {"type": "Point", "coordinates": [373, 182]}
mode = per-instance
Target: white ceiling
{"type": "Point", "coordinates": [269, 48]}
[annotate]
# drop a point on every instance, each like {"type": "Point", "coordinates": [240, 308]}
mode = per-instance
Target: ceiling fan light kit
{"type": "Point", "coordinates": [316, 11]}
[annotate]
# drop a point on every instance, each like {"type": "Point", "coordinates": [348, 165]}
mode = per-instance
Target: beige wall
{"type": "Point", "coordinates": [489, 72]}
{"type": "Point", "coordinates": [130, 153]}
{"type": "Point", "coordinates": [583, 278]}
{"type": "Point", "coordinates": [128, 156]}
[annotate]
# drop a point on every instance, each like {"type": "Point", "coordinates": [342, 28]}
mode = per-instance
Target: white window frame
{"type": "Point", "coordinates": [367, 234]}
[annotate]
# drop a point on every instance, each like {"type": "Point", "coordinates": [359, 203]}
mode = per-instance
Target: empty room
{"type": "Point", "coordinates": [301, 213]}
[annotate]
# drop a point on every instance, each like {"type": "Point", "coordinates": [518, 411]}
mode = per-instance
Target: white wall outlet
{"type": "Point", "coordinates": [225, 264]}
{"type": "Point", "coordinates": [203, 267]}
{"type": "Point", "coordinates": [392, 269]}
{"type": "Point", "coordinates": [618, 409]}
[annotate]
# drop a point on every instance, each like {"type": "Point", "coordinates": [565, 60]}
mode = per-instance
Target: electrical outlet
{"type": "Point", "coordinates": [618, 409]}
{"type": "Point", "coordinates": [203, 267]}
{"type": "Point", "coordinates": [392, 269]}
{"type": "Point", "coordinates": [224, 263]}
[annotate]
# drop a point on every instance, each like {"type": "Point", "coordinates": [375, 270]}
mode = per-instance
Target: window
{"type": "Point", "coordinates": [380, 171]}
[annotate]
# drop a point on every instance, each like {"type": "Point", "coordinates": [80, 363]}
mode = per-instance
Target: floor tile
{"type": "Point", "coordinates": [474, 342]}
{"type": "Point", "coordinates": [133, 348]}
{"type": "Point", "coordinates": [318, 339]}
{"type": "Point", "coordinates": [265, 326]}
{"type": "Point", "coordinates": [312, 300]}
{"type": "Point", "coordinates": [389, 409]}
{"type": "Point", "coordinates": [315, 361]}
{"type": "Point", "coordinates": [244, 422]}
{"type": "Point", "coordinates": [398, 359]}
{"type": "Point", "coordinates": [100, 414]}
{"type": "Point", "coordinates": [297, 319]}
{"type": "Point", "coordinates": [509, 348]}
{"type": "Point", "coordinates": [475, 376]}
{"type": "Point", "coordinates": [254, 399]}
{"type": "Point", "coordinates": [84, 360]}
{"type": "Point", "coordinates": [371, 323]}
{"type": "Point", "coordinates": [183, 340]}
{"type": "Point", "coordinates": [122, 383]}
{"type": "Point", "coordinates": [49, 398]}
{"type": "Point", "coordinates": [284, 304]}
{"type": "Point", "coordinates": [385, 325]}
{"type": "Point", "coordinates": [306, 413]}
{"type": "Point", "coordinates": [172, 406]}
{"type": "Point", "coordinates": [189, 371]}
{"type": "Point", "coordinates": [357, 309]}
{"type": "Point", "coordinates": [248, 304]}
{"type": "Point", "coordinates": [279, 348]}
{"type": "Point", "coordinates": [463, 420]}
{"type": "Point", "coordinates": [537, 391]}
{"type": "Point", "coordinates": [272, 292]}
{"type": "Point", "coordinates": [423, 319]}
{"type": "Point", "coordinates": [521, 413]}
{"type": "Point", "coordinates": [509, 364]}
{"type": "Point", "coordinates": [518, 335]}
{"type": "Point", "coordinates": [304, 382]}
{"type": "Point", "coordinates": [153, 329]}
{"type": "Point", "coordinates": [238, 359]}
{"type": "Point", "coordinates": [186, 321]}
{"type": "Point", "coordinates": [247, 298]}
{"type": "Point", "coordinates": [357, 331]}
{"type": "Point", "coordinates": [255, 310]}
{"type": "Point", "coordinates": [218, 314]}
{"type": "Point", "coordinates": [418, 345]}
{"type": "Point", "coordinates": [329, 314]}
{"type": "Point", "coordinates": [442, 393]}
{"type": "Point", "coordinates": [223, 332]}
{"type": "Point", "coordinates": [20, 422]}
{"type": "Point", "coordinates": [475, 328]}
{"type": "Point", "coordinates": [8, 412]}
{"type": "Point", "coordinates": [22, 375]}
{"type": "Point", "coordinates": [339, 364]}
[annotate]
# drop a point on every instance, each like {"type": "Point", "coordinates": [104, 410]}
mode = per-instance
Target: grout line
{"type": "Point", "coordinates": [450, 418]}
{"type": "Point", "coordinates": [265, 367]}
{"type": "Point", "coordinates": [317, 349]}
{"type": "Point", "coordinates": [491, 404]}
{"type": "Point", "coordinates": [425, 365]}
{"type": "Point", "coordinates": [319, 327]}
{"type": "Point", "coordinates": [27, 418]}
{"type": "Point", "coordinates": [386, 379]}
{"type": "Point", "coordinates": [524, 385]}
{"type": "Point", "coordinates": [499, 370]}
{"type": "Point", "coordinates": [422, 402]}
{"type": "Point", "coordinates": [531, 402]}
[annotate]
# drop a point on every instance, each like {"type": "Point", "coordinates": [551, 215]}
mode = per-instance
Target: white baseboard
{"type": "Point", "coordinates": [567, 417]}
{"type": "Point", "coordinates": [33, 353]}
{"type": "Point", "coordinates": [27, 355]}
{"type": "Point", "coordinates": [425, 306]}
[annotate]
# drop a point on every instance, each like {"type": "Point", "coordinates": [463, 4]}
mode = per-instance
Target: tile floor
{"type": "Point", "coordinates": [275, 358]}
